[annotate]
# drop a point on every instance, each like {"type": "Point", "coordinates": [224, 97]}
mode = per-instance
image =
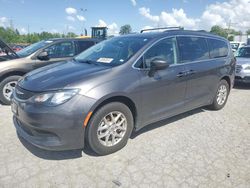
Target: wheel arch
{"type": "Point", "coordinates": [118, 98]}
{"type": "Point", "coordinates": [227, 78]}
{"type": "Point", "coordinates": [12, 73]}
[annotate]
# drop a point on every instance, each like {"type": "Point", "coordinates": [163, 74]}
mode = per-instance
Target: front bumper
{"type": "Point", "coordinates": [52, 128]}
{"type": "Point", "coordinates": [242, 75]}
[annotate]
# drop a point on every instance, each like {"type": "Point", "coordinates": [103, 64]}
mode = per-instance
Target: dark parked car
{"type": "Point", "coordinates": [15, 64]}
{"type": "Point", "coordinates": [121, 85]}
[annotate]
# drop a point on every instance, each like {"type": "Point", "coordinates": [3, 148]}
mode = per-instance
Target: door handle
{"type": "Point", "coordinates": [191, 72]}
{"type": "Point", "coordinates": [181, 74]}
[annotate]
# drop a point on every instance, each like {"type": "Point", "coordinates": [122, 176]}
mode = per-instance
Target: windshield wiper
{"type": "Point", "coordinates": [88, 62]}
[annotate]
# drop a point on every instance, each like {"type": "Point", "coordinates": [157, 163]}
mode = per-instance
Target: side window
{"type": "Point", "coordinates": [192, 49]}
{"type": "Point", "coordinates": [218, 48]}
{"type": "Point", "coordinates": [165, 49]}
{"type": "Point", "coordinates": [84, 45]}
{"type": "Point", "coordinates": [62, 49]}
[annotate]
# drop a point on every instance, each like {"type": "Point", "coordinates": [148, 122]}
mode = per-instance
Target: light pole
{"type": "Point", "coordinates": [83, 10]}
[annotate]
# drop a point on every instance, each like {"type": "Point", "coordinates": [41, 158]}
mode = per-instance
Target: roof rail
{"type": "Point", "coordinates": [163, 28]}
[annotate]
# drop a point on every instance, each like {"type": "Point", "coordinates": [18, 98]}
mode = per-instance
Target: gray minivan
{"type": "Point", "coordinates": [119, 86]}
{"type": "Point", "coordinates": [14, 65]}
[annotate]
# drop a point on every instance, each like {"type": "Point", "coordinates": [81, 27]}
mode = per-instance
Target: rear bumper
{"type": "Point", "coordinates": [52, 128]}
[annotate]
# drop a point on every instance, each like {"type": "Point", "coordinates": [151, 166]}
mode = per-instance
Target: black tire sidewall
{"type": "Point", "coordinates": [92, 127]}
{"type": "Point", "coordinates": [2, 84]}
{"type": "Point", "coordinates": [215, 105]}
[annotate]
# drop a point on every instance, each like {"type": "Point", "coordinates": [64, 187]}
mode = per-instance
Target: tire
{"type": "Point", "coordinates": [97, 122]}
{"type": "Point", "coordinates": [217, 105]}
{"type": "Point", "coordinates": [4, 89]}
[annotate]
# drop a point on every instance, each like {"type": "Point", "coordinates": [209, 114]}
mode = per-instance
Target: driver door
{"type": "Point", "coordinates": [162, 94]}
{"type": "Point", "coordinates": [61, 51]}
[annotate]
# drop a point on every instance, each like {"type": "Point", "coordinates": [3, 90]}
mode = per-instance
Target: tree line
{"type": "Point", "coordinates": [11, 35]}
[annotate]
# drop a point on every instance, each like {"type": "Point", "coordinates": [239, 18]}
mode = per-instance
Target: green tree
{"type": "Point", "coordinates": [231, 38]}
{"type": "Point", "coordinates": [125, 29]}
{"type": "Point", "coordinates": [13, 36]}
{"type": "Point", "coordinates": [219, 31]}
{"type": "Point", "coordinates": [248, 32]}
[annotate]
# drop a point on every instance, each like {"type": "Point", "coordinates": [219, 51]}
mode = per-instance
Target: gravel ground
{"type": "Point", "coordinates": [200, 148]}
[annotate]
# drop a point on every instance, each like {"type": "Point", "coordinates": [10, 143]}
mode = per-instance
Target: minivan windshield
{"type": "Point", "coordinates": [33, 48]}
{"type": "Point", "coordinates": [113, 52]}
{"type": "Point", "coordinates": [243, 52]}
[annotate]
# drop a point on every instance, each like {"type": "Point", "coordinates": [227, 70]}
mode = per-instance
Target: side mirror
{"type": "Point", "coordinates": [43, 56]}
{"type": "Point", "coordinates": [157, 64]}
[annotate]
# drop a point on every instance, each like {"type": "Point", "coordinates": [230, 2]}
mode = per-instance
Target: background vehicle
{"type": "Point", "coordinates": [34, 56]}
{"type": "Point", "coordinates": [120, 85]}
{"type": "Point", "coordinates": [6, 52]}
{"type": "Point", "coordinates": [242, 73]}
{"type": "Point", "coordinates": [96, 32]}
{"type": "Point", "coordinates": [236, 45]}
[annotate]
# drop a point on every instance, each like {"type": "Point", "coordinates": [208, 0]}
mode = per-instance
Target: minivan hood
{"type": "Point", "coordinates": [60, 75]}
{"type": "Point", "coordinates": [242, 60]}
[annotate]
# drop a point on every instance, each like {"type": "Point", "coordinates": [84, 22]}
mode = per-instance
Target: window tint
{"type": "Point", "coordinates": [83, 45]}
{"type": "Point", "coordinates": [192, 49]}
{"type": "Point", "coordinates": [218, 48]}
{"type": "Point", "coordinates": [59, 50]}
{"type": "Point", "coordinates": [165, 50]}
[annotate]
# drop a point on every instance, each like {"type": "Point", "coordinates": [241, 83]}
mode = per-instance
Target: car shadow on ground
{"type": "Point", "coordinates": [167, 121]}
{"type": "Point", "coordinates": [242, 86]}
{"type": "Point", "coordinates": [73, 154]}
{"type": "Point", "coordinates": [50, 155]}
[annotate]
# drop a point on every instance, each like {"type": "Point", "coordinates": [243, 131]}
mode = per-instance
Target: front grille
{"type": "Point", "coordinates": [23, 94]}
{"type": "Point", "coordinates": [238, 68]}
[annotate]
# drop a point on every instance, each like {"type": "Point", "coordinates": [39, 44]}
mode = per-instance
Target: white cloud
{"type": "Point", "coordinates": [101, 23]}
{"type": "Point", "coordinates": [54, 31]}
{"type": "Point", "coordinates": [113, 28]}
{"type": "Point", "coordinates": [70, 18]}
{"type": "Point", "coordinates": [4, 22]}
{"type": "Point", "coordinates": [71, 28]}
{"type": "Point", "coordinates": [133, 2]}
{"type": "Point", "coordinates": [71, 11]}
{"type": "Point", "coordinates": [174, 18]}
{"type": "Point", "coordinates": [80, 18]}
{"type": "Point", "coordinates": [146, 13]}
{"type": "Point", "coordinates": [234, 11]}
{"type": "Point", "coordinates": [22, 30]}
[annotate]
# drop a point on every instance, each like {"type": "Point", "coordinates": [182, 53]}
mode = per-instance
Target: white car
{"type": "Point", "coordinates": [242, 73]}
{"type": "Point", "coordinates": [237, 45]}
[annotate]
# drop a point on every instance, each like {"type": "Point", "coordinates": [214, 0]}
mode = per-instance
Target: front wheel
{"type": "Point", "coordinates": [110, 128]}
{"type": "Point", "coordinates": [7, 87]}
{"type": "Point", "coordinates": [221, 96]}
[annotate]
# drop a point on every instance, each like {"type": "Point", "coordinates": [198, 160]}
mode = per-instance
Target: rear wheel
{"type": "Point", "coordinates": [6, 88]}
{"type": "Point", "coordinates": [110, 128]}
{"type": "Point", "coordinates": [221, 96]}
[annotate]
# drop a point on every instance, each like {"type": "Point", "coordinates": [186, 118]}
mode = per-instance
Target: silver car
{"type": "Point", "coordinates": [242, 73]}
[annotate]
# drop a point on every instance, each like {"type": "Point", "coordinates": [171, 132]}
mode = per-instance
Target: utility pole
{"type": "Point", "coordinates": [82, 29]}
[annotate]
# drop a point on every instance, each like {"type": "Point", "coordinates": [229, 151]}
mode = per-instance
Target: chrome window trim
{"type": "Point", "coordinates": [177, 64]}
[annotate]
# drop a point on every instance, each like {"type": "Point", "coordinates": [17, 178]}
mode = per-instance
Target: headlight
{"type": "Point", "coordinates": [247, 67]}
{"type": "Point", "coordinates": [55, 98]}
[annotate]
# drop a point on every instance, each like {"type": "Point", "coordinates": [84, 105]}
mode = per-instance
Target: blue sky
{"type": "Point", "coordinates": [66, 15]}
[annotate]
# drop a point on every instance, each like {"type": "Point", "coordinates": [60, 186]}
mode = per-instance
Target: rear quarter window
{"type": "Point", "coordinates": [218, 48]}
{"type": "Point", "coordinates": [192, 49]}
